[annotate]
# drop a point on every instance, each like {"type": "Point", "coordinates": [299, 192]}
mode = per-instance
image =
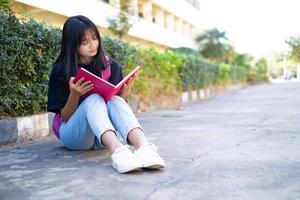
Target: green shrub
{"type": "Point", "coordinates": [238, 74]}
{"type": "Point", "coordinates": [259, 71]}
{"type": "Point", "coordinates": [224, 73]}
{"type": "Point", "coordinates": [196, 72]}
{"type": "Point", "coordinates": [5, 4]}
{"type": "Point", "coordinates": [27, 51]}
{"type": "Point", "coordinates": [160, 71]}
{"type": "Point", "coordinates": [121, 51]}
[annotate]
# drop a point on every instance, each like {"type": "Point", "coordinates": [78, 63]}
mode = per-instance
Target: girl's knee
{"type": "Point", "coordinates": [94, 98]}
{"type": "Point", "coordinates": [115, 101]}
{"type": "Point", "coordinates": [116, 98]}
{"type": "Point", "coordinates": [92, 101]}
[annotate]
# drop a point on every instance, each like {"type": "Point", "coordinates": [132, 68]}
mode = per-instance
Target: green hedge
{"type": "Point", "coordinates": [160, 75]}
{"type": "Point", "coordinates": [231, 74]}
{"type": "Point", "coordinates": [27, 50]}
{"type": "Point", "coordinates": [160, 71]}
{"type": "Point", "coordinates": [196, 72]}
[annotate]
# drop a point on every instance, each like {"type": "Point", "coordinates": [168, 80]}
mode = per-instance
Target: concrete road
{"type": "Point", "coordinates": [244, 144]}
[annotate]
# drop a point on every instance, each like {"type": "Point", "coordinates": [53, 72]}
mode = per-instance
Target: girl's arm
{"type": "Point", "coordinates": [76, 91]}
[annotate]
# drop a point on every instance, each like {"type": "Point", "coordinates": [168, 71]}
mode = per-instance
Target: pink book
{"type": "Point", "coordinates": [101, 86]}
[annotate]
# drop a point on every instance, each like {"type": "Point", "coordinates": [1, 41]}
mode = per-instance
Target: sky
{"type": "Point", "coordinates": [256, 27]}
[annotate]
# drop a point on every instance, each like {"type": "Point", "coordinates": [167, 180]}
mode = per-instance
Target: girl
{"type": "Point", "coordinates": [92, 123]}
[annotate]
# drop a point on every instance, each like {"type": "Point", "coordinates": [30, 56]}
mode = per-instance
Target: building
{"type": "Point", "coordinates": [162, 24]}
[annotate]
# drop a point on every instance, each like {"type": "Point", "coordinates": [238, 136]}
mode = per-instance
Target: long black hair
{"type": "Point", "coordinates": [73, 34]}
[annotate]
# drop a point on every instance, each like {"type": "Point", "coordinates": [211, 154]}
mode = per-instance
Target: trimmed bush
{"type": "Point", "coordinates": [160, 75]}
{"type": "Point", "coordinates": [160, 71]}
{"type": "Point", "coordinates": [27, 50]}
{"type": "Point", "coordinates": [195, 72]}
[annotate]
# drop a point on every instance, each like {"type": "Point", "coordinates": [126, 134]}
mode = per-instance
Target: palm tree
{"type": "Point", "coordinates": [211, 46]}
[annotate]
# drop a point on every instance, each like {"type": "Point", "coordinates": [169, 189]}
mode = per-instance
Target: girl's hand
{"type": "Point", "coordinates": [80, 87]}
{"type": "Point", "coordinates": [127, 88]}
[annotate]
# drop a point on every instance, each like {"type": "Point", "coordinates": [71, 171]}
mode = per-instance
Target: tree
{"type": "Point", "coordinates": [230, 55]}
{"type": "Point", "coordinates": [261, 67]}
{"type": "Point", "coordinates": [120, 25]}
{"type": "Point", "coordinates": [244, 60]}
{"type": "Point", "coordinates": [211, 46]}
{"type": "Point", "coordinates": [294, 43]}
{"type": "Point", "coordinates": [5, 4]}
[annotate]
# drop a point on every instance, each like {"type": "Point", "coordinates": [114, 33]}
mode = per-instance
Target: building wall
{"type": "Point", "coordinates": [161, 24]}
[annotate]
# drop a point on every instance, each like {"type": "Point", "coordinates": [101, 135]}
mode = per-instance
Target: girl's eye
{"type": "Point", "coordinates": [94, 37]}
{"type": "Point", "coordinates": [84, 42]}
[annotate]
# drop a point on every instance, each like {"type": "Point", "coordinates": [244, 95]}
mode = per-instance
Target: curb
{"type": "Point", "coordinates": [202, 94]}
{"type": "Point", "coordinates": [24, 129]}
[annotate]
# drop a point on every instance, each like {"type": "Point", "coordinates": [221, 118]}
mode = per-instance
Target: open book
{"type": "Point", "coordinates": [101, 86]}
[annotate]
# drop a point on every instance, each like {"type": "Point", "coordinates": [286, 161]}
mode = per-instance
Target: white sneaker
{"type": "Point", "coordinates": [124, 161]}
{"type": "Point", "coordinates": [149, 157]}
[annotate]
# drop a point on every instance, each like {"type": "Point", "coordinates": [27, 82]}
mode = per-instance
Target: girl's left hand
{"type": "Point", "coordinates": [127, 88]}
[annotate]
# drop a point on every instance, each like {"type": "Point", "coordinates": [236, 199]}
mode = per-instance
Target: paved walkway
{"type": "Point", "coordinates": [244, 144]}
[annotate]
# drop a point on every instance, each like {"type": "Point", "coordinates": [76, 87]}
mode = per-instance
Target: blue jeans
{"type": "Point", "coordinates": [92, 118]}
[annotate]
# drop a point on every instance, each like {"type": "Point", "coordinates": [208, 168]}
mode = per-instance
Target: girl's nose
{"type": "Point", "coordinates": [93, 44]}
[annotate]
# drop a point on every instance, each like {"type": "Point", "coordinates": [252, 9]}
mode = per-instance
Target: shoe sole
{"type": "Point", "coordinates": [126, 170]}
{"type": "Point", "coordinates": [155, 166]}
{"type": "Point", "coordinates": [129, 170]}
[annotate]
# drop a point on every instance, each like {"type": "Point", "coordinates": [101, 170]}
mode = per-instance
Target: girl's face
{"type": "Point", "coordinates": [88, 47]}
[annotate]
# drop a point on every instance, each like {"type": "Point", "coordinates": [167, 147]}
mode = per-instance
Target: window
{"type": "Point", "coordinates": [141, 15]}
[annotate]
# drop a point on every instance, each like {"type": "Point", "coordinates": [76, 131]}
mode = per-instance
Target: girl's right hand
{"type": "Point", "coordinates": [80, 87]}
